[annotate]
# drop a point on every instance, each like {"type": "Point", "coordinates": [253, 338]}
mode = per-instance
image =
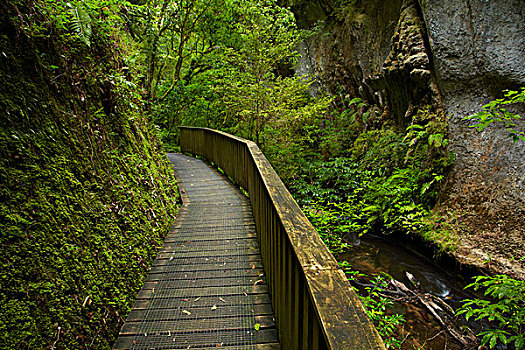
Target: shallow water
{"type": "Point", "coordinates": [373, 254]}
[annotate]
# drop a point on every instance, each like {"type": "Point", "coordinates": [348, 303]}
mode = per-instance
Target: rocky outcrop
{"type": "Point", "coordinates": [352, 45]}
{"type": "Point", "coordinates": [455, 55]}
{"type": "Point", "coordinates": [376, 50]}
{"type": "Point", "coordinates": [406, 77]}
{"type": "Point", "coordinates": [477, 45]}
{"type": "Point", "coordinates": [478, 50]}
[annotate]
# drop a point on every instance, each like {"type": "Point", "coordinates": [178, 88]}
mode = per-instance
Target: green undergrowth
{"type": "Point", "coordinates": [388, 182]}
{"type": "Point", "coordinates": [377, 306]}
{"type": "Point", "coordinates": [504, 312]}
{"type": "Point", "coordinates": [86, 194]}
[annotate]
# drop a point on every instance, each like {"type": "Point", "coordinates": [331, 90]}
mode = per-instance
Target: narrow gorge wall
{"type": "Point", "coordinates": [456, 55]}
{"type": "Point", "coordinates": [479, 50]}
{"type": "Point", "coordinates": [86, 195]}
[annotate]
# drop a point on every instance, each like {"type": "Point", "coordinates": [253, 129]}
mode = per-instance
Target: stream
{"type": "Point", "coordinates": [374, 254]}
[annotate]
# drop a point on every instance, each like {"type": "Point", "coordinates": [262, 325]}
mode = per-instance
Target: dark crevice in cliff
{"type": "Point", "coordinates": [437, 98]}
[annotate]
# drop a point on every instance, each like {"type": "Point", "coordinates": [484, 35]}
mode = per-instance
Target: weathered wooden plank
{"type": "Point", "coordinates": [204, 312]}
{"type": "Point", "coordinates": [193, 323]}
{"type": "Point", "coordinates": [189, 268]}
{"type": "Point", "coordinates": [221, 273]}
{"type": "Point", "coordinates": [149, 292]}
{"type": "Point", "coordinates": [219, 245]}
{"type": "Point", "coordinates": [205, 340]}
{"type": "Point", "coordinates": [211, 223]}
{"type": "Point", "coordinates": [171, 254]}
{"type": "Point", "coordinates": [219, 235]}
{"type": "Point", "coordinates": [249, 237]}
{"type": "Point", "coordinates": [208, 263]}
{"type": "Point", "coordinates": [234, 236]}
{"type": "Point", "coordinates": [207, 301]}
{"type": "Point", "coordinates": [267, 346]}
{"type": "Point", "coordinates": [172, 283]}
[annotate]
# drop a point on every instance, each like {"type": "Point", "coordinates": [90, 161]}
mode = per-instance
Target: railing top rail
{"type": "Point", "coordinates": [343, 321]}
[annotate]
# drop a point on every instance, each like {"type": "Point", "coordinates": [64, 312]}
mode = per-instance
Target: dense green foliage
{"type": "Point", "coordinates": [505, 311]}
{"type": "Point", "coordinates": [85, 195]}
{"type": "Point", "coordinates": [389, 180]}
{"type": "Point", "coordinates": [225, 65]}
{"type": "Point", "coordinates": [386, 181]}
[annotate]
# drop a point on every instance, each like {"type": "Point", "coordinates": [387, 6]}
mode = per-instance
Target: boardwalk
{"type": "Point", "coordinates": [207, 287]}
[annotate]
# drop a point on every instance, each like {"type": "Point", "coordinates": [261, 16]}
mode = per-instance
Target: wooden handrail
{"type": "Point", "coordinates": [314, 305]}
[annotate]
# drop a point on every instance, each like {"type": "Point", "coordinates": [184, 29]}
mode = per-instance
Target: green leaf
{"type": "Point", "coordinates": [415, 127]}
{"type": "Point", "coordinates": [493, 340]}
{"type": "Point", "coordinates": [469, 314]}
{"type": "Point", "coordinates": [519, 341]}
{"type": "Point", "coordinates": [485, 338]}
{"type": "Point", "coordinates": [371, 208]}
{"type": "Point", "coordinates": [257, 326]}
{"type": "Point", "coordinates": [81, 24]}
{"type": "Point", "coordinates": [436, 140]}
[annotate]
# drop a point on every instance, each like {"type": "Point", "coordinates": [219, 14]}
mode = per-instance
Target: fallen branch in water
{"type": "Point", "coordinates": [432, 303]}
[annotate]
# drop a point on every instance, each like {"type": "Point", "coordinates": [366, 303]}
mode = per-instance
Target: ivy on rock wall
{"type": "Point", "coordinates": [86, 194]}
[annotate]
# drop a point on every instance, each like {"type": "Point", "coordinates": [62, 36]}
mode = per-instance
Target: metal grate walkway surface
{"type": "Point", "coordinates": [206, 288]}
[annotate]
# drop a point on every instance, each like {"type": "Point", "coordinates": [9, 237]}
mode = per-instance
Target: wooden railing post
{"type": "Point", "coordinates": [314, 305]}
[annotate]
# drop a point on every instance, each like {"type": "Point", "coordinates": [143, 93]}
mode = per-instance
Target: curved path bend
{"type": "Point", "coordinates": [206, 288]}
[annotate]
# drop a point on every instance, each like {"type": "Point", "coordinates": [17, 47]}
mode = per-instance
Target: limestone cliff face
{"type": "Point", "coordinates": [455, 55]}
{"type": "Point", "coordinates": [478, 49]}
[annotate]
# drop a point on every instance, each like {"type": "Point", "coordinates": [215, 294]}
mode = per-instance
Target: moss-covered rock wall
{"type": "Point", "coordinates": [86, 194]}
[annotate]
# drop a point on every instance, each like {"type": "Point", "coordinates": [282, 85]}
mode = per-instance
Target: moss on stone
{"type": "Point", "coordinates": [86, 195]}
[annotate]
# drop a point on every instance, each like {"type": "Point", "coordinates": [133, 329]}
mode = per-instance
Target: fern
{"type": "Point", "coordinates": [81, 24]}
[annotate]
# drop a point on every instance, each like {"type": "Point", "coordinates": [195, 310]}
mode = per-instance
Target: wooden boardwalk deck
{"type": "Point", "coordinates": [207, 287]}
